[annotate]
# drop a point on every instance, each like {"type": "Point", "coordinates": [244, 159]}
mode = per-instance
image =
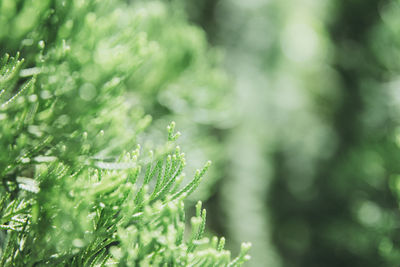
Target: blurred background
{"type": "Point", "coordinates": [310, 172]}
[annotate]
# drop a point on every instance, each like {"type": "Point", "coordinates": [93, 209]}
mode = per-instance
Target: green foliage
{"type": "Point", "coordinates": [76, 188]}
{"type": "Point", "coordinates": [99, 215]}
{"type": "Point", "coordinates": [145, 49]}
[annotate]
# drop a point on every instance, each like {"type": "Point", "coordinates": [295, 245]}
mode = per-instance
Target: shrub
{"type": "Point", "coordinates": [77, 188]}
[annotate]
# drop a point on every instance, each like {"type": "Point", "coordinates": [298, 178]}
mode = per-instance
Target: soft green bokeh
{"type": "Point", "coordinates": [314, 157]}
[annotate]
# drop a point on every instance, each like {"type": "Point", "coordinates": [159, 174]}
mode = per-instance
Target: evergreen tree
{"type": "Point", "coordinates": [77, 80]}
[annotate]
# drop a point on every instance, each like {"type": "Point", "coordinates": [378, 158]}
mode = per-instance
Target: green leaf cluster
{"type": "Point", "coordinates": [77, 80]}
